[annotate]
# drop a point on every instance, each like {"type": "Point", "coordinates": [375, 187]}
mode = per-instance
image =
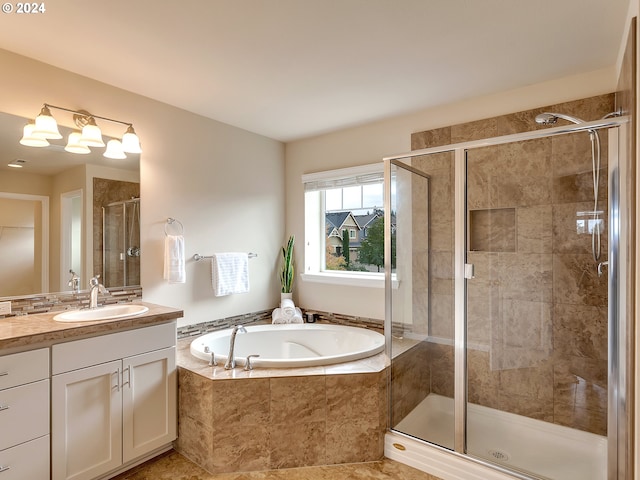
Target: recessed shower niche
{"type": "Point", "coordinates": [492, 230]}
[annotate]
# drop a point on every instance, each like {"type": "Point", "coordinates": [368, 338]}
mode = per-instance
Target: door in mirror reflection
{"type": "Point", "coordinates": [71, 237]}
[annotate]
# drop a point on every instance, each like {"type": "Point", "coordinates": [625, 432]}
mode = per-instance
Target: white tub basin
{"type": "Point", "coordinates": [108, 312]}
{"type": "Point", "coordinates": [291, 345]}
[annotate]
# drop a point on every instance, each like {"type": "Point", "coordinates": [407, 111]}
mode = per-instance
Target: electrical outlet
{"type": "Point", "coordinates": [5, 308]}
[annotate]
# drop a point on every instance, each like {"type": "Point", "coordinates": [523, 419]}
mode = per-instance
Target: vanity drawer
{"type": "Point", "coordinates": [28, 460]}
{"type": "Point", "coordinates": [24, 414]}
{"type": "Point", "coordinates": [25, 367]}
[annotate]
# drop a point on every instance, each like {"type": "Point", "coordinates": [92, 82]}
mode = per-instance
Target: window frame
{"type": "Point", "coordinates": [315, 239]}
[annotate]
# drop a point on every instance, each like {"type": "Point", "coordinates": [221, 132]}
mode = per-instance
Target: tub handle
{"type": "Point", "coordinates": [247, 365]}
{"type": "Point", "coordinates": [212, 361]}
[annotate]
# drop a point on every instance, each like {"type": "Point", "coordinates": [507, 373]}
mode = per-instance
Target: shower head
{"type": "Point", "coordinates": [547, 118]}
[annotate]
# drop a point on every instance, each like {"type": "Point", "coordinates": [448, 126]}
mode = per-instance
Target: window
{"type": "Point", "coordinates": [340, 206]}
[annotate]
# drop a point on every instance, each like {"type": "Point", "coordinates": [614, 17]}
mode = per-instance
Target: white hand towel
{"type": "Point", "coordinates": [288, 308]}
{"type": "Point", "coordinates": [276, 317]}
{"type": "Point", "coordinates": [174, 270]}
{"type": "Point", "coordinates": [230, 273]}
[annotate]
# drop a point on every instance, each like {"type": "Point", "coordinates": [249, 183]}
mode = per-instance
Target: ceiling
{"type": "Point", "coordinates": [289, 69]}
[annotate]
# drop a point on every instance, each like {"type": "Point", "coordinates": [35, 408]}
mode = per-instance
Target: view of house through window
{"type": "Point", "coordinates": [344, 221]}
{"type": "Point", "coordinates": [354, 228]}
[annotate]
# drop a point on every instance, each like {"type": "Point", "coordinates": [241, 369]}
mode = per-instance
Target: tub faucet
{"type": "Point", "coordinates": [95, 288]}
{"type": "Point", "coordinates": [231, 361]}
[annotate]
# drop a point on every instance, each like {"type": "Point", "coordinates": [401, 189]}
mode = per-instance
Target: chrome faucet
{"type": "Point", "coordinates": [96, 287]}
{"type": "Point", "coordinates": [231, 361]}
{"type": "Point", "coordinates": [74, 282]}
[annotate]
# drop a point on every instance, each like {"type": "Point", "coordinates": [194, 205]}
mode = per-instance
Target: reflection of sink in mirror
{"type": "Point", "coordinates": [101, 313]}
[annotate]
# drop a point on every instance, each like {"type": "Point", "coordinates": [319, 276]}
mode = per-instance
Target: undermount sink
{"type": "Point", "coordinates": [108, 312]}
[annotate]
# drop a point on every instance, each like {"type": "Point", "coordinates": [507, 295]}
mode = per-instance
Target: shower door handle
{"type": "Point", "coordinates": [469, 271]}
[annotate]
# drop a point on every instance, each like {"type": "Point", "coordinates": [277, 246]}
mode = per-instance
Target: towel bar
{"type": "Point", "coordinates": [198, 257]}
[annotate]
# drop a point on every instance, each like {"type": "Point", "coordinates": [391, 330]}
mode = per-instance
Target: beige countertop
{"type": "Point", "coordinates": [40, 329]}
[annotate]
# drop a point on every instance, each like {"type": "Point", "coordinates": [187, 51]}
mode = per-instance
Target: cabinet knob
{"type": "Point", "coordinates": [4, 407]}
{"type": "Point", "coordinates": [4, 468]}
{"type": "Point", "coordinates": [4, 374]}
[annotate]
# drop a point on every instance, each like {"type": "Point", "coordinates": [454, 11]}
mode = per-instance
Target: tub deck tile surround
{"type": "Point", "coordinates": [266, 419]}
{"type": "Point", "coordinates": [173, 466]}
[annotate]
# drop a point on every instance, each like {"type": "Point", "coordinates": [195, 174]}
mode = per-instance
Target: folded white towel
{"type": "Point", "coordinates": [288, 308]}
{"type": "Point", "coordinates": [297, 318]}
{"type": "Point", "coordinates": [230, 273]}
{"type": "Point", "coordinates": [276, 316]}
{"type": "Point", "coordinates": [174, 270]}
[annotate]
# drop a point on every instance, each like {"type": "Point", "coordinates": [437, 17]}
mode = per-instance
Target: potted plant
{"type": "Point", "coordinates": [287, 272]}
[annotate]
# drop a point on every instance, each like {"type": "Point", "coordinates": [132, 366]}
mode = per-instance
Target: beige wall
{"type": "Point", "coordinates": [370, 143]}
{"type": "Point", "coordinates": [223, 183]}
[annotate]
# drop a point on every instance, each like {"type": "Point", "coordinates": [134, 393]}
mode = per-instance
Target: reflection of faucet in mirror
{"type": "Point", "coordinates": [95, 288]}
{"type": "Point", "coordinates": [74, 282]}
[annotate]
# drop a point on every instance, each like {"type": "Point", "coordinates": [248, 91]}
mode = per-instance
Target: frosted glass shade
{"type": "Point", "coordinates": [46, 126]}
{"type": "Point", "coordinates": [30, 140]}
{"type": "Point", "coordinates": [91, 136]}
{"type": "Point", "coordinates": [130, 141]}
{"type": "Point", "coordinates": [114, 150]}
{"type": "Point", "coordinates": [74, 145]}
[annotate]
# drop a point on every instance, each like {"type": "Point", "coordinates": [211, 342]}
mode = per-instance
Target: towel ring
{"type": "Point", "coordinates": [171, 221]}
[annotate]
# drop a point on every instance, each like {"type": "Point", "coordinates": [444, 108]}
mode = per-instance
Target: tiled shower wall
{"type": "Point", "coordinates": [537, 311]}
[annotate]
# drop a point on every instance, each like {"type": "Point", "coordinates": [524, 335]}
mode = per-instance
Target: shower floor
{"type": "Point", "coordinates": [519, 443]}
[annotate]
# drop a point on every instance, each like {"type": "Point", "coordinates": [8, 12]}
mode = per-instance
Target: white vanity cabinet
{"type": "Point", "coordinates": [113, 400]}
{"type": "Point", "coordinates": [24, 415]}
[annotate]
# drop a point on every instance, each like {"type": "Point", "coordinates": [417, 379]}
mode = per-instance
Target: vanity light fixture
{"type": "Point", "coordinates": [45, 128]}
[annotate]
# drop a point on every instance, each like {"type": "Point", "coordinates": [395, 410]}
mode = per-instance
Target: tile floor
{"type": "Point", "coordinates": [173, 466]}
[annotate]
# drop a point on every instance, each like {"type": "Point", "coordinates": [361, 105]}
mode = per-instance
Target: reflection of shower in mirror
{"type": "Point", "coordinates": [121, 243]}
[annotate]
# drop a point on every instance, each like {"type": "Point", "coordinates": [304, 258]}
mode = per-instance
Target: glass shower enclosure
{"type": "Point", "coordinates": [503, 316]}
{"type": "Point", "coordinates": [121, 243]}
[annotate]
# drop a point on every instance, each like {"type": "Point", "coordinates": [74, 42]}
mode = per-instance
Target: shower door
{"type": "Point", "coordinates": [536, 307]}
{"type": "Point", "coordinates": [505, 323]}
{"type": "Point", "coordinates": [121, 244]}
{"type": "Point", "coordinates": [422, 301]}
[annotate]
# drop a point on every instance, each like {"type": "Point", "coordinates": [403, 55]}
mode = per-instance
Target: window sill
{"type": "Point", "coordinates": [348, 279]}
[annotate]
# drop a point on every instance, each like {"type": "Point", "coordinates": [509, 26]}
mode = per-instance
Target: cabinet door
{"type": "Point", "coordinates": [149, 402]}
{"type": "Point", "coordinates": [86, 426]}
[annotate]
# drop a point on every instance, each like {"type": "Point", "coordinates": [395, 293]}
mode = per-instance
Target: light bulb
{"type": "Point", "coordinates": [130, 141]}
{"type": "Point", "coordinates": [91, 134]}
{"type": "Point", "coordinates": [30, 140]}
{"type": "Point", "coordinates": [114, 150]}
{"type": "Point", "coordinates": [46, 126]}
{"type": "Point", "coordinates": [74, 145]}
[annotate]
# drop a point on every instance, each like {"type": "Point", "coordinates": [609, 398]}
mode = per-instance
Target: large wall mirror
{"type": "Point", "coordinates": [62, 212]}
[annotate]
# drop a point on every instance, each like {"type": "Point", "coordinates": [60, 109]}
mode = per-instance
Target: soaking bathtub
{"type": "Point", "coordinates": [291, 345]}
